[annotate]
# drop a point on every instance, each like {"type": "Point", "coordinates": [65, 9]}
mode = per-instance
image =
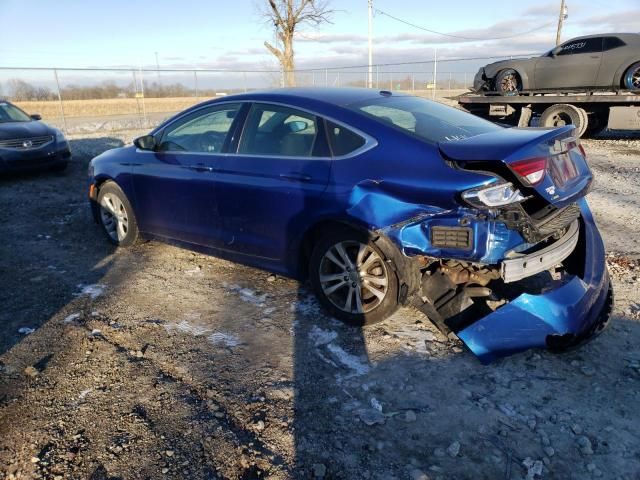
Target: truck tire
{"type": "Point", "coordinates": [508, 82]}
{"type": "Point", "coordinates": [563, 114]}
{"type": "Point", "coordinates": [597, 124]}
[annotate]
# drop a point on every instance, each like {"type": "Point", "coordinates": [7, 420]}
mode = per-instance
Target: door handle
{"type": "Point", "coordinates": [296, 177]}
{"type": "Point", "coordinates": [200, 168]}
{"type": "Point", "coordinates": [595, 56]}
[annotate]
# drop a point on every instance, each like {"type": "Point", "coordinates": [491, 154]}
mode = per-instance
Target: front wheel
{"type": "Point", "coordinates": [353, 279]}
{"type": "Point", "coordinates": [632, 77]}
{"type": "Point", "coordinates": [508, 82]}
{"type": "Point", "coordinates": [116, 216]}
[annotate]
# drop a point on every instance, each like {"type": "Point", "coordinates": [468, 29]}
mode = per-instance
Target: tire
{"type": "Point", "coordinates": [354, 300]}
{"type": "Point", "coordinates": [631, 79]}
{"type": "Point", "coordinates": [508, 82]}
{"type": "Point", "coordinates": [116, 216]}
{"type": "Point", "coordinates": [597, 124]}
{"type": "Point", "coordinates": [564, 114]}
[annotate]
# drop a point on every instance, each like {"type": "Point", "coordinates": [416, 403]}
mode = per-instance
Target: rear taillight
{"type": "Point", "coordinates": [532, 169]}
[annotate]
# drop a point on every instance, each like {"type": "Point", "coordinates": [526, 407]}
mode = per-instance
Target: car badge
{"type": "Point", "coordinates": [551, 190]}
{"type": "Point", "coordinates": [27, 144]}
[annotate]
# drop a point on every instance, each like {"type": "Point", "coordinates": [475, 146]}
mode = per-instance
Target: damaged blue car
{"type": "Point", "coordinates": [380, 200]}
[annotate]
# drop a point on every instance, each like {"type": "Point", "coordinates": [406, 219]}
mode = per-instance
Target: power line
{"type": "Point", "coordinates": [459, 36]}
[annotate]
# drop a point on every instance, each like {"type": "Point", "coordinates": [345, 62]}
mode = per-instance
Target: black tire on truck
{"type": "Point", "coordinates": [564, 114]}
{"type": "Point", "coordinates": [597, 123]}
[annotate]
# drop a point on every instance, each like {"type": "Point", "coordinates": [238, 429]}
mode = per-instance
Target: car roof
{"type": "Point", "coordinates": [339, 96]}
{"type": "Point", "coordinates": [623, 36]}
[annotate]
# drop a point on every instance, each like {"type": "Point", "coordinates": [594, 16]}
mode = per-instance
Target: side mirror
{"type": "Point", "coordinates": [146, 142]}
{"type": "Point", "coordinates": [556, 51]}
{"type": "Point", "coordinates": [297, 126]}
{"type": "Point", "coordinates": [36, 116]}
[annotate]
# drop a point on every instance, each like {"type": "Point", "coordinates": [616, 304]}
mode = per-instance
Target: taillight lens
{"type": "Point", "coordinates": [532, 169]}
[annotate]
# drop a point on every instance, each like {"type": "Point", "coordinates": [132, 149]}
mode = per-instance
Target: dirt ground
{"type": "Point", "coordinates": [156, 362]}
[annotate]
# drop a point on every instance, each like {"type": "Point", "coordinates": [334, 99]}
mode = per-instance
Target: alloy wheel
{"type": "Point", "coordinates": [509, 83]}
{"type": "Point", "coordinates": [114, 217]}
{"type": "Point", "coordinates": [353, 277]}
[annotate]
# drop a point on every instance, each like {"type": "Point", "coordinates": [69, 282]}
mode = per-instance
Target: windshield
{"type": "Point", "coordinates": [427, 120]}
{"type": "Point", "coordinates": [9, 113]}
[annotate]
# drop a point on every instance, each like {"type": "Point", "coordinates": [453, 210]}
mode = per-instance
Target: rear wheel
{"type": "Point", "coordinates": [632, 77]}
{"type": "Point", "coordinates": [116, 216]}
{"type": "Point", "coordinates": [508, 82]}
{"type": "Point", "coordinates": [597, 124]}
{"type": "Point", "coordinates": [352, 278]}
{"type": "Point", "coordinates": [565, 114]}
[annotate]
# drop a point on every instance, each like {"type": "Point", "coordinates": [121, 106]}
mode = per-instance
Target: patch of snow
{"type": "Point", "coordinates": [185, 327]}
{"type": "Point", "coordinates": [248, 295]}
{"type": "Point", "coordinates": [94, 291]}
{"type": "Point", "coordinates": [321, 337]}
{"type": "Point", "coordinates": [26, 330]}
{"type": "Point", "coordinates": [376, 404]}
{"type": "Point", "coordinates": [84, 393]}
{"type": "Point", "coordinates": [71, 318]}
{"type": "Point", "coordinates": [226, 339]}
{"type": "Point", "coordinates": [350, 361]}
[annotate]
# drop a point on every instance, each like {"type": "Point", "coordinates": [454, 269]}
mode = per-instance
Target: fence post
{"type": "Point", "coordinates": [195, 83]}
{"type": "Point", "coordinates": [413, 82]}
{"type": "Point", "coordinates": [244, 81]}
{"type": "Point", "coordinates": [64, 120]}
{"type": "Point", "coordinates": [326, 77]}
{"type": "Point", "coordinates": [135, 95]}
{"type": "Point", "coordinates": [377, 76]}
{"type": "Point", "coordinates": [338, 80]}
{"type": "Point", "coordinates": [449, 83]}
{"type": "Point", "coordinates": [391, 81]}
{"type": "Point", "coordinates": [465, 80]}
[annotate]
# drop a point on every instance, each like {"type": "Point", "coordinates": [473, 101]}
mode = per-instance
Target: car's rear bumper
{"type": "Point", "coordinates": [21, 161]}
{"type": "Point", "coordinates": [559, 317]}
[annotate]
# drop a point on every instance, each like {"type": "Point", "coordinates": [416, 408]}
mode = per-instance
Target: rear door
{"type": "Point", "coordinates": [271, 184]}
{"type": "Point", "coordinates": [576, 65]}
{"type": "Point", "coordinates": [174, 185]}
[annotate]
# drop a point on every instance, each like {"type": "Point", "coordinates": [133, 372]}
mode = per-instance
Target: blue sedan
{"type": "Point", "coordinates": [379, 200]}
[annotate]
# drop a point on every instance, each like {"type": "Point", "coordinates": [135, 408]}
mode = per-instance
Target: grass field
{"type": "Point", "coordinates": [104, 107]}
{"type": "Point", "coordinates": [50, 110]}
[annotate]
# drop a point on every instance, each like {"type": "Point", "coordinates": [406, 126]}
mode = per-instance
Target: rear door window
{"type": "Point", "coordinates": [342, 140]}
{"type": "Point", "coordinates": [275, 130]}
{"type": "Point", "coordinates": [612, 42]}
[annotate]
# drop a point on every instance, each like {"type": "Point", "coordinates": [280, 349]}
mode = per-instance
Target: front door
{"type": "Point", "coordinates": [280, 170]}
{"type": "Point", "coordinates": [174, 185]}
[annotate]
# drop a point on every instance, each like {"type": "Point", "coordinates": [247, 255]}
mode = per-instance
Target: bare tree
{"type": "Point", "coordinates": [286, 15]}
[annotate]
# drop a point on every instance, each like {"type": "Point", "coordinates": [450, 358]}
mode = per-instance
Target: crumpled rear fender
{"type": "Point", "coordinates": [408, 224]}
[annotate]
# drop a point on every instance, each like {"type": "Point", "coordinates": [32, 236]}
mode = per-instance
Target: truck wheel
{"type": "Point", "coordinates": [597, 124]}
{"type": "Point", "coordinates": [565, 114]}
{"type": "Point", "coordinates": [508, 82]}
{"type": "Point", "coordinates": [632, 77]}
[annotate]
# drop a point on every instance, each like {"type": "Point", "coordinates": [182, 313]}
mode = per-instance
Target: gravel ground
{"type": "Point", "coordinates": [157, 362]}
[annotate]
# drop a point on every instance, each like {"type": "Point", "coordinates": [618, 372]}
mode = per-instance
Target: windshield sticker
{"type": "Point", "coordinates": [574, 46]}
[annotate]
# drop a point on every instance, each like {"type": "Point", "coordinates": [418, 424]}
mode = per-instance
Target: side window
{"type": "Point", "coordinates": [585, 45]}
{"type": "Point", "coordinates": [342, 140]}
{"type": "Point", "coordinates": [277, 130]}
{"type": "Point", "coordinates": [202, 132]}
{"type": "Point", "coordinates": [612, 42]}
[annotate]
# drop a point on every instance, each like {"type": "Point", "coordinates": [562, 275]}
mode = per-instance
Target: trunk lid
{"type": "Point", "coordinates": [549, 161]}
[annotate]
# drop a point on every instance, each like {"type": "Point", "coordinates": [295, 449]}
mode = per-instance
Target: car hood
{"type": "Point", "coordinates": [11, 130]}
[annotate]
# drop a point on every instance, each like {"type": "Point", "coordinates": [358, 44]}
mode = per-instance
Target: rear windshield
{"type": "Point", "coordinates": [427, 120]}
{"type": "Point", "coordinates": [9, 113]}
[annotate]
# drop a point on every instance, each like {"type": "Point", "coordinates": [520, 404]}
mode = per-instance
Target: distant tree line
{"type": "Point", "coordinates": [19, 90]}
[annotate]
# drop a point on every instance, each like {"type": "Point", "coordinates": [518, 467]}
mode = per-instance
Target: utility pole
{"type": "Point", "coordinates": [370, 76]}
{"type": "Point", "coordinates": [563, 16]}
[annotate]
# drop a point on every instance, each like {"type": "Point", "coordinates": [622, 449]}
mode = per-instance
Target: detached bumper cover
{"type": "Point", "coordinates": [570, 312]}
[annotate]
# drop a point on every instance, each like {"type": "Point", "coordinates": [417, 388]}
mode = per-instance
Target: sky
{"type": "Point", "coordinates": [229, 35]}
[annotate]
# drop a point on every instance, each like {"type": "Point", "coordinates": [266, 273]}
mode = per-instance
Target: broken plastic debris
{"type": "Point", "coordinates": [371, 416]}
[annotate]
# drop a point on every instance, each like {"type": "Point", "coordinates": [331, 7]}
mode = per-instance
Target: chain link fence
{"type": "Point", "coordinates": [99, 99]}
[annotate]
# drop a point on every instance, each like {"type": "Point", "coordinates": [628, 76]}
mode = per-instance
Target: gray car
{"type": "Point", "coordinates": [594, 62]}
